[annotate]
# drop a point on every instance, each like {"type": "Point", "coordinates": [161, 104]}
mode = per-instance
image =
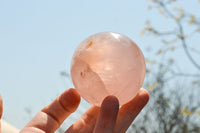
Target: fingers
{"type": "Point", "coordinates": [104, 123]}
{"type": "Point", "coordinates": [52, 116]}
{"type": "Point", "coordinates": [129, 111]}
{"type": "Point", "coordinates": [107, 116]}
{"type": "Point", "coordinates": [86, 123]}
{"type": "Point", "coordinates": [1, 107]}
{"type": "Point", "coordinates": [1, 110]}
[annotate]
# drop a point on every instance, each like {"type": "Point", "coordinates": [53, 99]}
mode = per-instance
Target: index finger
{"type": "Point", "coordinates": [52, 116]}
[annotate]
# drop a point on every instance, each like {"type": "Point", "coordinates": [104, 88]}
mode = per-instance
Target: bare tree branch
{"type": "Point", "coordinates": [181, 35]}
{"type": "Point", "coordinates": [186, 48]}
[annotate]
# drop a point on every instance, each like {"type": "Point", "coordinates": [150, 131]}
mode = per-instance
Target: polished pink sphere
{"type": "Point", "coordinates": [105, 64]}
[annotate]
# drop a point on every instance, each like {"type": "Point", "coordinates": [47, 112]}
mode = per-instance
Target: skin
{"type": "Point", "coordinates": [1, 110]}
{"type": "Point", "coordinates": [108, 118]}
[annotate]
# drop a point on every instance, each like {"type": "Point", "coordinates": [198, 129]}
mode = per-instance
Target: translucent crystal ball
{"type": "Point", "coordinates": [105, 64]}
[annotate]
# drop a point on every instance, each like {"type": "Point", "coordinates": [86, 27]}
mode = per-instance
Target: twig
{"type": "Point", "coordinates": [181, 36]}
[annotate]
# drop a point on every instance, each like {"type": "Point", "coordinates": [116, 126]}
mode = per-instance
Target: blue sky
{"type": "Point", "coordinates": [38, 38]}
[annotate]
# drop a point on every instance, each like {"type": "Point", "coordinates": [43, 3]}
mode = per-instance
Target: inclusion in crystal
{"type": "Point", "coordinates": [105, 64]}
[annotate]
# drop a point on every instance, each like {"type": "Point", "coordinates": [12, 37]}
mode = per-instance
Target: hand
{"type": "Point", "coordinates": [1, 110]}
{"type": "Point", "coordinates": [107, 119]}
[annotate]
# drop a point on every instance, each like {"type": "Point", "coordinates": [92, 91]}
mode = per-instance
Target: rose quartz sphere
{"type": "Point", "coordinates": [105, 64]}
